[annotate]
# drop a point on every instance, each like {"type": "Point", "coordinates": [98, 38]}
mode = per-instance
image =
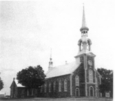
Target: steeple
{"type": "Point", "coordinates": [84, 28]}
{"type": "Point", "coordinates": [83, 18]}
{"type": "Point", "coordinates": [50, 62]}
{"type": "Point", "coordinates": [84, 43]}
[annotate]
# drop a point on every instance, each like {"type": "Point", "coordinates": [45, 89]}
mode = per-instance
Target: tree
{"type": "Point", "coordinates": [31, 77]}
{"type": "Point", "coordinates": [1, 84]}
{"type": "Point", "coordinates": [107, 81]}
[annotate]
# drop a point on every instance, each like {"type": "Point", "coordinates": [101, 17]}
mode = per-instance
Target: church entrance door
{"type": "Point", "coordinates": [77, 94]}
{"type": "Point", "coordinates": [91, 91]}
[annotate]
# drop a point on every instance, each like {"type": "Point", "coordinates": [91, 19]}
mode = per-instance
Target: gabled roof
{"type": "Point", "coordinates": [18, 84]}
{"type": "Point", "coordinates": [15, 82]}
{"type": "Point", "coordinates": [63, 69]}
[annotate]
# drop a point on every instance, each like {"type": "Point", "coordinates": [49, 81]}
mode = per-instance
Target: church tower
{"type": "Point", "coordinates": [87, 59]}
{"type": "Point", "coordinates": [50, 62]}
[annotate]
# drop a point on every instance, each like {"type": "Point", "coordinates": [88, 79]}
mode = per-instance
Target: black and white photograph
{"type": "Point", "coordinates": [57, 50]}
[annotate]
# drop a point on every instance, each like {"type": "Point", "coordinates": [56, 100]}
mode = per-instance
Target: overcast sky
{"type": "Point", "coordinates": [29, 29]}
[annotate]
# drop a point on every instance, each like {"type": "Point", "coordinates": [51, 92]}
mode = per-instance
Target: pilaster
{"type": "Point", "coordinates": [71, 88]}
{"type": "Point", "coordinates": [85, 68]}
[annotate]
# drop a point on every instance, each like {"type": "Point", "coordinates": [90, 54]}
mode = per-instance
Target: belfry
{"type": "Point", "coordinates": [50, 62]}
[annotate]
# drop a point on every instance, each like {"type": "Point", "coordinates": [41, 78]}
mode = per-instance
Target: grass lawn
{"type": "Point", "coordinates": [59, 99]}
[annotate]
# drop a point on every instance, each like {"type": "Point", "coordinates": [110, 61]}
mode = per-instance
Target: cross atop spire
{"type": "Point", "coordinates": [84, 28]}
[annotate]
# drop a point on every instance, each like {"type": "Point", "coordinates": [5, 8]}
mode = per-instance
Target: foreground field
{"type": "Point", "coordinates": [59, 99]}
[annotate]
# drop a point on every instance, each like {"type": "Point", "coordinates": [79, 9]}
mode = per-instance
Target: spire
{"type": "Point", "coordinates": [51, 54]}
{"type": "Point", "coordinates": [84, 28]}
{"type": "Point", "coordinates": [50, 62]}
{"type": "Point", "coordinates": [83, 18]}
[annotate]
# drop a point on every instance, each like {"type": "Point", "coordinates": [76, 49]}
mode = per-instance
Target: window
{"type": "Point", "coordinates": [65, 85]}
{"type": "Point", "coordinates": [59, 85]}
{"type": "Point", "coordinates": [90, 76]}
{"type": "Point", "coordinates": [49, 87]}
{"type": "Point", "coordinates": [42, 88]}
{"type": "Point", "coordinates": [99, 80]}
{"type": "Point", "coordinates": [27, 92]}
{"type": "Point", "coordinates": [76, 80]}
{"type": "Point", "coordinates": [45, 87]}
{"type": "Point", "coordinates": [36, 92]}
{"type": "Point", "coordinates": [22, 93]}
{"type": "Point", "coordinates": [96, 80]}
{"type": "Point", "coordinates": [54, 84]}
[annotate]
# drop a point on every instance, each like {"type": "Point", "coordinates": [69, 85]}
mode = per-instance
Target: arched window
{"type": "Point", "coordinates": [90, 76]}
{"type": "Point", "coordinates": [22, 93]}
{"type": "Point", "coordinates": [91, 91]}
{"type": "Point", "coordinates": [49, 87]}
{"type": "Point", "coordinates": [41, 90]}
{"type": "Point", "coordinates": [65, 85]}
{"type": "Point", "coordinates": [54, 84]}
{"type": "Point", "coordinates": [77, 92]}
{"type": "Point", "coordinates": [99, 80]}
{"type": "Point", "coordinates": [45, 86]}
{"type": "Point", "coordinates": [76, 80]}
{"type": "Point", "coordinates": [59, 85]}
{"type": "Point", "coordinates": [28, 92]}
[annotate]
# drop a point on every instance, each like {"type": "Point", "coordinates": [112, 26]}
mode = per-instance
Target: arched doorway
{"type": "Point", "coordinates": [91, 91]}
{"type": "Point", "coordinates": [77, 92]}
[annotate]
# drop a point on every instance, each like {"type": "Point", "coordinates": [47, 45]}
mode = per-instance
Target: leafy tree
{"type": "Point", "coordinates": [1, 84]}
{"type": "Point", "coordinates": [31, 77]}
{"type": "Point", "coordinates": [107, 81]}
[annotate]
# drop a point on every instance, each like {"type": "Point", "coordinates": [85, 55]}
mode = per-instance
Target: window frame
{"type": "Point", "coordinates": [65, 85]}
{"type": "Point", "coordinates": [60, 84]}
{"type": "Point", "coordinates": [76, 80]}
{"type": "Point", "coordinates": [90, 76]}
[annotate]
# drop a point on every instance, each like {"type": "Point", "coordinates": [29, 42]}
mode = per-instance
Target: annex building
{"type": "Point", "coordinates": [17, 90]}
{"type": "Point", "coordinates": [77, 79]}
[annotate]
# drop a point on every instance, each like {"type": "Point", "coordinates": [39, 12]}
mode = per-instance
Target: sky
{"type": "Point", "coordinates": [30, 29]}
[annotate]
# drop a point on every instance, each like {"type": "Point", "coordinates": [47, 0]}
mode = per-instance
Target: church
{"type": "Point", "coordinates": [77, 79]}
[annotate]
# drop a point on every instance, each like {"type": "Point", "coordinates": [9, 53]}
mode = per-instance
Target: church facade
{"type": "Point", "coordinates": [77, 79]}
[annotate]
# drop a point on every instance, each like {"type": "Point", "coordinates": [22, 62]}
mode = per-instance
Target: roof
{"type": "Point", "coordinates": [2, 93]}
{"type": "Point", "coordinates": [63, 69]}
{"type": "Point", "coordinates": [86, 52]}
{"type": "Point", "coordinates": [18, 84]}
{"type": "Point", "coordinates": [98, 74]}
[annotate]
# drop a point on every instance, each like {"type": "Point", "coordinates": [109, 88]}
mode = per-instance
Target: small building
{"type": "Point", "coordinates": [17, 90]}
